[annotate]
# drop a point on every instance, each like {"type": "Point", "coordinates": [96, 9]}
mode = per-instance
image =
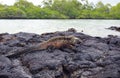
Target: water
{"type": "Point", "coordinates": [90, 27]}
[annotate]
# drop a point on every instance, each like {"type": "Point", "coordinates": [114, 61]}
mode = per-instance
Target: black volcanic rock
{"type": "Point", "coordinates": [114, 28]}
{"type": "Point", "coordinates": [95, 57]}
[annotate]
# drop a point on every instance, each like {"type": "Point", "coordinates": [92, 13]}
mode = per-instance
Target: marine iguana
{"type": "Point", "coordinates": [55, 42]}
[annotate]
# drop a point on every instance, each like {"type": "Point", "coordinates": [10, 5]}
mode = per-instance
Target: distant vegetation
{"type": "Point", "coordinates": [60, 9]}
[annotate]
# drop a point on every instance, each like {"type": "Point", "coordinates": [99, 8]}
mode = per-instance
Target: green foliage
{"type": "Point", "coordinates": [69, 8]}
{"type": "Point", "coordinates": [24, 5]}
{"type": "Point", "coordinates": [11, 12]}
{"type": "Point", "coordinates": [51, 14]}
{"type": "Point", "coordinates": [44, 13]}
{"type": "Point", "coordinates": [103, 9]}
{"type": "Point", "coordinates": [115, 11]}
{"type": "Point", "coordinates": [60, 9]}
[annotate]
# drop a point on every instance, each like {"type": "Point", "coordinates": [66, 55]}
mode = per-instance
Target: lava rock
{"type": "Point", "coordinates": [95, 57]}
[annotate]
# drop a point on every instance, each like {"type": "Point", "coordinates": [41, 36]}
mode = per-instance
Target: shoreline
{"type": "Point", "coordinates": [54, 19]}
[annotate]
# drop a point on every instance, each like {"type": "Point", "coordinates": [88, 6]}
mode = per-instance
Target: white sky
{"type": "Point", "coordinates": [37, 2]}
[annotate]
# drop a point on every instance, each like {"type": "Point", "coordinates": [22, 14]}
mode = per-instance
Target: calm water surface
{"type": "Point", "coordinates": [90, 27]}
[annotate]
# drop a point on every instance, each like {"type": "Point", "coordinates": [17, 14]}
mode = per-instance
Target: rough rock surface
{"type": "Point", "coordinates": [95, 58]}
{"type": "Point", "coordinates": [114, 28]}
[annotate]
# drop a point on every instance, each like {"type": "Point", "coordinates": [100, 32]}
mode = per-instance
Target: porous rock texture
{"type": "Point", "coordinates": [95, 57]}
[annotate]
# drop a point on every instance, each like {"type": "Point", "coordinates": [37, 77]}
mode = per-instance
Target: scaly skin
{"type": "Point", "coordinates": [56, 42]}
